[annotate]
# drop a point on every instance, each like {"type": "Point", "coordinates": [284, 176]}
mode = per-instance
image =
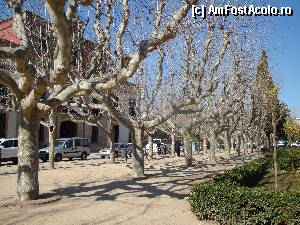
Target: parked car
{"type": "Point", "coordinates": [9, 150]}
{"type": "Point", "coordinates": [70, 148]}
{"type": "Point", "coordinates": [157, 144]}
{"type": "Point", "coordinates": [120, 149]}
{"type": "Point", "coordinates": [42, 145]}
{"type": "Point", "coordinates": [125, 149]}
{"type": "Point", "coordinates": [105, 153]}
{"type": "Point", "coordinates": [296, 144]}
{"type": "Point", "coordinates": [282, 143]}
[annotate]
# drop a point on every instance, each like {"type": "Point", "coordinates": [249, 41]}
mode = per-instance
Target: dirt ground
{"type": "Point", "coordinates": [96, 192]}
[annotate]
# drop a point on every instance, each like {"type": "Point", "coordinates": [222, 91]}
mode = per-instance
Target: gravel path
{"type": "Point", "coordinates": [96, 192]}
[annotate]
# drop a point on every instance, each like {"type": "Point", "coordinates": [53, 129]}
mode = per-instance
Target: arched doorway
{"type": "Point", "coordinates": [68, 129]}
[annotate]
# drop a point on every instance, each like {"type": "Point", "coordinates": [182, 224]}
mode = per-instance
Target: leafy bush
{"type": "Point", "coordinates": [288, 158]}
{"type": "Point", "coordinates": [248, 174]}
{"type": "Point", "coordinates": [228, 198]}
{"type": "Point", "coordinates": [227, 203]}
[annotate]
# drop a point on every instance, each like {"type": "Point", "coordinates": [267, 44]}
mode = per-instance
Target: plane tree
{"type": "Point", "coordinates": [109, 66]}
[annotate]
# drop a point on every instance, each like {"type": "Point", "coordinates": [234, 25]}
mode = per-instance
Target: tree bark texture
{"type": "Point", "coordinates": [112, 159]}
{"type": "Point", "coordinates": [213, 147]}
{"type": "Point", "coordinates": [28, 160]}
{"type": "Point", "coordinates": [205, 146]}
{"type": "Point", "coordinates": [173, 145]}
{"type": "Point", "coordinates": [51, 139]}
{"type": "Point", "coordinates": [187, 141]}
{"type": "Point", "coordinates": [243, 146]}
{"type": "Point", "coordinates": [150, 142]}
{"type": "Point", "coordinates": [275, 153]}
{"type": "Point", "coordinates": [227, 143]}
{"type": "Point", "coordinates": [138, 152]}
{"type": "Point", "coordinates": [238, 147]}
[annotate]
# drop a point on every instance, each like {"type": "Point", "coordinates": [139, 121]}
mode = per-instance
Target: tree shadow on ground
{"type": "Point", "coordinates": [8, 173]}
{"type": "Point", "coordinates": [168, 180]}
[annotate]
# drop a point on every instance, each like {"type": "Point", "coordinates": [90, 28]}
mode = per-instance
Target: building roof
{"type": "Point", "coordinates": [7, 32]}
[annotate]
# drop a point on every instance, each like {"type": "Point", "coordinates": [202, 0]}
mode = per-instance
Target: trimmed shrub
{"type": "Point", "coordinates": [248, 174]}
{"type": "Point", "coordinates": [227, 203]}
{"type": "Point", "coordinates": [288, 158]}
{"type": "Point", "coordinates": [229, 198]}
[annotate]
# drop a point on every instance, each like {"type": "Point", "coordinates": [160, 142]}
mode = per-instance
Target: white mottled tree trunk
{"type": "Point", "coordinates": [243, 144]}
{"type": "Point", "coordinates": [173, 145]}
{"type": "Point", "coordinates": [205, 146]}
{"type": "Point", "coordinates": [274, 153]}
{"type": "Point", "coordinates": [150, 142]}
{"type": "Point", "coordinates": [238, 146]}
{"type": "Point", "coordinates": [213, 146]}
{"type": "Point", "coordinates": [251, 144]}
{"type": "Point", "coordinates": [112, 158]}
{"type": "Point", "coordinates": [28, 165]}
{"type": "Point", "coordinates": [187, 141]}
{"type": "Point", "coordinates": [51, 139]}
{"type": "Point", "coordinates": [138, 152]}
{"type": "Point", "coordinates": [227, 143]}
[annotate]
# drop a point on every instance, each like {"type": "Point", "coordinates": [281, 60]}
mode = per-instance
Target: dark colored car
{"type": "Point", "coordinates": [42, 145]}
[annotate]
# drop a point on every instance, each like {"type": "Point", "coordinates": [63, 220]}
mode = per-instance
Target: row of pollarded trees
{"type": "Point", "coordinates": [243, 113]}
{"type": "Point", "coordinates": [200, 84]}
{"type": "Point", "coordinates": [121, 44]}
{"type": "Point", "coordinates": [188, 75]}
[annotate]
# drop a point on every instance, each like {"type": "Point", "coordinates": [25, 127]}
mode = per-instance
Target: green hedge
{"type": "Point", "coordinates": [288, 158]}
{"type": "Point", "coordinates": [229, 198]}
{"type": "Point", "coordinates": [247, 175]}
{"type": "Point", "coordinates": [232, 204]}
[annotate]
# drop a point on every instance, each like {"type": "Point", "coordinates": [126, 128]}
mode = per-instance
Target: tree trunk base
{"type": "Point", "coordinates": [138, 174]}
{"type": "Point", "coordinates": [28, 196]}
{"type": "Point", "coordinates": [188, 162]}
{"type": "Point", "coordinates": [212, 162]}
{"type": "Point", "coordinates": [46, 200]}
{"type": "Point", "coordinates": [138, 153]}
{"type": "Point", "coordinates": [28, 159]}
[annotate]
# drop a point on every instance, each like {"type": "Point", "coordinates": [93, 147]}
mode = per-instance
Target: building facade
{"type": "Point", "coordinates": [64, 126]}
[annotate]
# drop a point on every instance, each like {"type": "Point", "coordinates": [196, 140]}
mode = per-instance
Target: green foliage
{"type": "Point", "coordinates": [248, 174]}
{"type": "Point", "coordinates": [287, 180]}
{"type": "Point", "coordinates": [231, 199]}
{"type": "Point", "coordinates": [227, 203]}
{"type": "Point", "coordinates": [288, 158]}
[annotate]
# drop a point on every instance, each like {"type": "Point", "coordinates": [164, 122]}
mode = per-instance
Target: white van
{"type": "Point", "coordinates": [70, 148]}
{"type": "Point", "coordinates": [157, 146]}
{"type": "Point", "coordinates": [9, 150]}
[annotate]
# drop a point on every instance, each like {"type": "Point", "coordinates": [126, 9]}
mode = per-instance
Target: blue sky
{"type": "Point", "coordinates": [284, 54]}
{"type": "Point", "coordinates": [283, 49]}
